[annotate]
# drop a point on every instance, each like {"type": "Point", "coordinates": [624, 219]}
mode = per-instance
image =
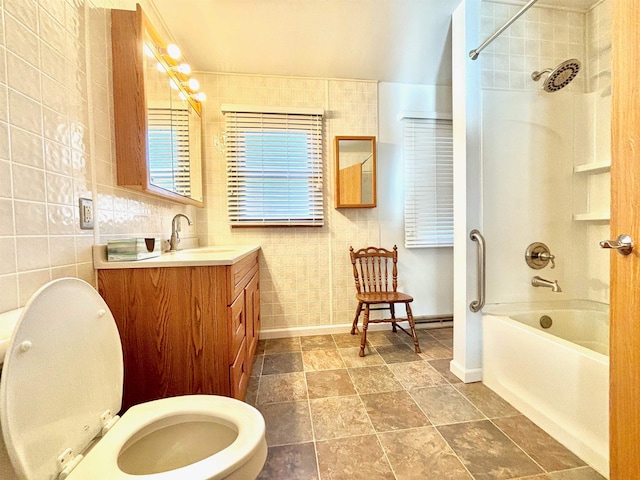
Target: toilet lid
{"type": "Point", "coordinates": [62, 371]}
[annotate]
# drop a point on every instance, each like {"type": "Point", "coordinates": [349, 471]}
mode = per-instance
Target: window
{"type": "Point", "coordinates": [169, 162]}
{"type": "Point", "coordinates": [428, 167]}
{"type": "Point", "coordinates": [274, 166]}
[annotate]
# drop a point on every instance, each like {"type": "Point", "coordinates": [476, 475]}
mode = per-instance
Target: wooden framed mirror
{"type": "Point", "coordinates": [355, 172]}
{"type": "Point", "coordinates": [158, 125]}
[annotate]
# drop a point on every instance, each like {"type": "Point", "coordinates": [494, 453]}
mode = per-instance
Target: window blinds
{"type": "Point", "coordinates": [274, 168]}
{"type": "Point", "coordinates": [169, 163]}
{"type": "Point", "coordinates": [428, 167]}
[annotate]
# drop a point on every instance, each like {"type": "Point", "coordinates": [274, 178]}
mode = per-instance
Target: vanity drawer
{"type": "Point", "coordinates": [239, 373]}
{"type": "Point", "coordinates": [240, 274]}
{"type": "Point", "coordinates": [236, 316]}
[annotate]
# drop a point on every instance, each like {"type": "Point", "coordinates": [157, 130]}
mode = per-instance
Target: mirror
{"type": "Point", "coordinates": [355, 172]}
{"type": "Point", "coordinates": [157, 115]}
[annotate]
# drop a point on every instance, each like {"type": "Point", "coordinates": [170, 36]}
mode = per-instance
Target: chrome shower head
{"type": "Point", "coordinates": [559, 77]}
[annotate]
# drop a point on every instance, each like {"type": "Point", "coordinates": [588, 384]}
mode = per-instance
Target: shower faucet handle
{"type": "Point", "coordinates": [548, 257]}
{"type": "Point", "coordinates": [539, 256]}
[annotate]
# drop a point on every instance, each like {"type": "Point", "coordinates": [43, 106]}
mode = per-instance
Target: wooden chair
{"type": "Point", "coordinates": [372, 269]}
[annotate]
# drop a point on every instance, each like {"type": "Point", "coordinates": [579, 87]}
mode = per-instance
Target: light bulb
{"type": "Point", "coordinates": [182, 96]}
{"type": "Point", "coordinates": [173, 51]}
{"type": "Point", "coordinates": [194, 84]}
{"type": "Point", "coordinates": [200, 96]}
{"type": "Point", "coordinates": [160, 67]}
{"type": "Point", "coordinates": [173, 84]}
{"type": "Point", "coordinates": [184, 68]}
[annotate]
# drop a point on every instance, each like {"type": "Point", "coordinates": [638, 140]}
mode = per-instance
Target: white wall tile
{"type": "Point", "coordinates": [31, 218]}
{"type": "Point", "coordinates": [9, 287]}
{"type": "Point", "coordinates": [28, 183]}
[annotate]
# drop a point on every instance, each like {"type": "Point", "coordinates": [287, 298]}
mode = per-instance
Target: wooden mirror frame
{"type": "Point", "coordinates": [349, 180]}
{"type": "Point", "coordinates": [129, 31]}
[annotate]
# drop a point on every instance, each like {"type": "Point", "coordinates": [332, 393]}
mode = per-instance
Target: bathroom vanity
{"type": "Point", "coordinates": [189, 321]}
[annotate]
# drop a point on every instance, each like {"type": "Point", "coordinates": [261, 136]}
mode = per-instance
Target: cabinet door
{"type": "Point", "coordinates": [252, 313]}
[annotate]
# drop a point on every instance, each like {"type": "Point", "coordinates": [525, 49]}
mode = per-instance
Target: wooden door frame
{"type": "Point", "coordinates": [625, 271]}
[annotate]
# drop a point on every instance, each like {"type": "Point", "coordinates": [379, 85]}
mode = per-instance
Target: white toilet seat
{"type": "Point", "coordinates": [101, 462]}
{"type": "Point", "coordinates": [61, 386]}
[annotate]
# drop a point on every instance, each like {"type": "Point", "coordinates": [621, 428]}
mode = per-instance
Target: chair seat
{"type": "Point", "coordinates": [383, 297]}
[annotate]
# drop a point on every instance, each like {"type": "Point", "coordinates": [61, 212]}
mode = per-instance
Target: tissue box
{"type": "Point", "coordinates": [129, 249]}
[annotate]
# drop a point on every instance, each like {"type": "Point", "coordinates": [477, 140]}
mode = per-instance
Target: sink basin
{"type": "Point", "coordinates": [8, 322]}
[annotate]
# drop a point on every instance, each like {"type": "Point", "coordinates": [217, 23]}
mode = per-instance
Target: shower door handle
{"type": "Point", "coordinates": [476, 236]}
{"type": "Point", "coordinates": [623, 244]}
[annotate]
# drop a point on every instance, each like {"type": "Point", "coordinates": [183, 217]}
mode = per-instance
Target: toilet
{"type": "Point", "coordinates": [61, 390]}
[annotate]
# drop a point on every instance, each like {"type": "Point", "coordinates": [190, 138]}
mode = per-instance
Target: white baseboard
{"type": "Point", "coordinates": [466, 375]}
{"type": "Point", "coordinates": [329, 329]}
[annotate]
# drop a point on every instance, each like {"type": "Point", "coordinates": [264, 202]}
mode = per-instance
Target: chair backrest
{"type": "Point", "coordinates": [375, 269]}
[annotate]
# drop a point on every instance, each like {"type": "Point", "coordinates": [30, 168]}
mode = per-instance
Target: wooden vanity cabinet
{"type": "Point", "coordinates": [185, 330]}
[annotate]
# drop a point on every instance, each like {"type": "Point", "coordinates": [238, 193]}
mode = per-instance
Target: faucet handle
{"type": "Point", "coordinates": [539, 256]}
{"type": "Point", "coordinates": [548, 257]}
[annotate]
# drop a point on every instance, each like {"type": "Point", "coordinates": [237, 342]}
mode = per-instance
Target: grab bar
{"type": "Point", "coordinates": [473, 54]}
{"type": "Point", "coordinates": [476, 236]}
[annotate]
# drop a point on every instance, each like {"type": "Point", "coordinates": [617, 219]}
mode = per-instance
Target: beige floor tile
{"type": "Point", "coordinates": [329, 383]}
{"type": "Point", "coordinates": [393, 411]}
{"type": "Point", "coordinates": [444, 404]}
{"type": "Point", "coordinates": [351, 357]}
{"type": "Point", "coordinates": [420, 454]}
{"type": "Point", "coordinates": [291, 462]}
{"type": "Point", "coordinates": [315, 360]}
{"type": "Point", "coordinates": [549, 453]}
{"type": "Point", "coordinates": [486, 452]}
{"type": "Point", "coordinates": [284, 387]}
{"type": "Point", "coordinates": [337, 417]}
{"type": "Point", "coordinates": [417, 374]}
{"type": "Point", "coordinates": [374, 379]}
{"type": "Point", "coordinates": [486, 400]}
{"type": "Point", "coordinates": [288, 422]}
{"type": "Point", "coordinates": [357, 458]}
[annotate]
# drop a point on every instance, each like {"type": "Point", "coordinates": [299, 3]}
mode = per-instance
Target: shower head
{"type": "Point", "coordinates": [559, 77]}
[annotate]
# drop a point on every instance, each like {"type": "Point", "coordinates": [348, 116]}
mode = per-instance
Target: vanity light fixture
{"type": "Point", "coordinates": [179, 73]}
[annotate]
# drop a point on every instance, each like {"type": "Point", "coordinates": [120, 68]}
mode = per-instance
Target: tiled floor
{"type": "Point", "coordinates": [392, 415]}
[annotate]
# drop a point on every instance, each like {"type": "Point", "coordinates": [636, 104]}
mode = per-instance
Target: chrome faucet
{"type": "Point", "coordinates": [541, 282]}
{"type": "Point", "coordinates": [175, 231]}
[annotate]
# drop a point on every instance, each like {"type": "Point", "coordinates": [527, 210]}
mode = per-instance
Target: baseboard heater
{"type": "Point", "coordinates": [420, 319]}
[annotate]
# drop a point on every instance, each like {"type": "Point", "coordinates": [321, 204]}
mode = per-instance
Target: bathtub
{"type": "Point", "coordinates": [556, 376]}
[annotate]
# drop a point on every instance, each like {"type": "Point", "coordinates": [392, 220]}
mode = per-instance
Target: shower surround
{"type": "Point", "coordinates": [545, 173]}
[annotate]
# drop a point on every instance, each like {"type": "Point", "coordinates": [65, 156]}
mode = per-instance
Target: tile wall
{"type": "Point", "coordinates": [540, 39]}
{"type": "Point", "coordinates": [56, 145]}
{"type": "Point", "coordinates": [306, 277]}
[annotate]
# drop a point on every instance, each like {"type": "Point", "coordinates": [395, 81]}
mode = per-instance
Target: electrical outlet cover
{"type": "Point", "coordinates": [86, 214]}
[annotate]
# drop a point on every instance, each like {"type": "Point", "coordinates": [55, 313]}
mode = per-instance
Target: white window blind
{"type": "Point", "coordinates": [168, 140]}
{"type": "Point", "coordinates": [428, 167]}
{"type": "Point", "coordinates": [274, 168]}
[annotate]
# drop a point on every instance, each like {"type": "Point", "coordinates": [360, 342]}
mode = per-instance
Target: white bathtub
{"type": "Point", "coordinates": [558, 377]}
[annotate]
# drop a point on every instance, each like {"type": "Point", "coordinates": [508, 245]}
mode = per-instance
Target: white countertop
{"type": "Point", "coordinates": [192, 257]}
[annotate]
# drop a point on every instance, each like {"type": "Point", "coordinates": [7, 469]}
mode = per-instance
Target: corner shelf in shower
{"type": "Point", "coordinates": [593, 167]}
{"type": "Point", "coordinates": [592, 217]}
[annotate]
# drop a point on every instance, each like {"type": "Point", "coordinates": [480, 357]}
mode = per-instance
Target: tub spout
{"type": "Point", "coordinates": [541, 282]}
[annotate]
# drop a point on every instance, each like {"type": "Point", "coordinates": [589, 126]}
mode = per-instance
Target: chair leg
{"type": "Point", "coordinates": [365, 326]}
{"type": "Point", "coordinates": [392, 308]}
{"type": "Point", "coordinates": [413, 328]}
{"type": "Point", "coordinates": [355, 320]}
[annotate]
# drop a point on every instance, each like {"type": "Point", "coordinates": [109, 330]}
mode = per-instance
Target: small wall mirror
{"type": "Point", "coordinates": [355, 172]}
